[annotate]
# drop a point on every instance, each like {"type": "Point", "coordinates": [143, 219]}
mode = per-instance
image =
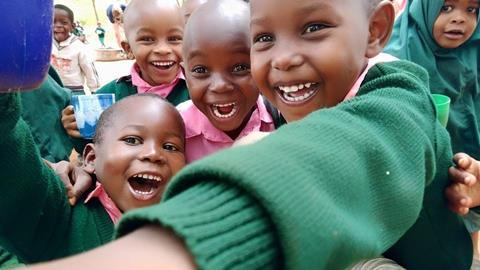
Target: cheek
{"type": "Point", "coordinates": [259, 71]}
{"type": "Point", "coordinates": [177, 50]}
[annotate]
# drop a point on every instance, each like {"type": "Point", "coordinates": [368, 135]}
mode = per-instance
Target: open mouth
{"type": "Point", "coordinates": [163, 65]}
{"type": "Point", "coordinates": [144, 186]}
{"type": "Point", "coordinates": [224, 111]}
{"type": "Point", "coordinates": [454, 34]}
{"type": "Point", "coordinates": [297, 93]}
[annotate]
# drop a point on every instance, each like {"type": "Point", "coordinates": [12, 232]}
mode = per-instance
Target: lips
{"type": "Point", "coordinates": [145, 186]}
{"type": "Point", "coordinates": [454, 34]}
{"type": "Point", "coordinates": [297, 93]}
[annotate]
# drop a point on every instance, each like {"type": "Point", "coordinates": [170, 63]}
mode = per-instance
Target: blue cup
{"type": "Point", "coordinates": [26, 35]}
{"type": "Point", "coordinates": [87, 109]}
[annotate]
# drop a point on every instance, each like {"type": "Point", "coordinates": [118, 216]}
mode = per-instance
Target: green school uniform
{"type": "Point", "coordinates": [453, 72]}
{"type": "Point", "coordinates": [36, 222]}
{"type": "Point", "coordinates": [42, 112]}
{"type": "Point", "coordinates": [344, 184]}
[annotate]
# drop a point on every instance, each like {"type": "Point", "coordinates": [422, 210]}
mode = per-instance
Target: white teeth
{"type": "Point", "coordinates": [295, 88]}
{"type": "Point", "coordinates": [148, 176]}
{"type": "Point", "coordinates": [151, 191]}
{"type": "Point", "coordinates": [218, 114]}
{"type": "Point", "coordinates": [305, 96]}
{"type": "Point", "coordinates": [163, 63]}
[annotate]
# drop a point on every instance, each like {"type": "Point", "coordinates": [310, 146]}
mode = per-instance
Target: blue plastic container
{"type": "Point", "coordinates": [25, 43]}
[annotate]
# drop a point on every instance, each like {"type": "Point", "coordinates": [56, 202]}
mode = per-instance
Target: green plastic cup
{"type": "Point", "coordinates": [442, 104]}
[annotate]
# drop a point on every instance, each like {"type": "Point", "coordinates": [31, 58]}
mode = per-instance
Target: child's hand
{"type": "Point", "coordinates": [75, 179]}
{"type": "Point", "coordinates": [464, 191]}
{"type": "Point", "coordinates": [69, 122]}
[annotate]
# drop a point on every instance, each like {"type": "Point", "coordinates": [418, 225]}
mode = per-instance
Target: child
{"type": "Point", "coordinates": [138, 146]}
{"type": "Point", "coordinates": [101, 34]}
{"type": "Point", "coordinates": [154, 30]}
{"type": "Point", "coordinates": [343, 184]}
{"type": "Point", "coordinates": [69, 55]}
{"type": "Point", "coordinates": [225, 103]}
{"type": "Point", "coordinates": [115, 16]}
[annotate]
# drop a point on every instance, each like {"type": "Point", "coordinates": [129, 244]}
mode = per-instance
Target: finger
{"type": "Point", "coordinates": [457, 196]}
{"type": "Point", "coordinates": [462, 160]}
{"type": "Point", "coordinates": [462, 211]}
{"type": "Point", "coordinates": [461, 176]}
{"type": "Point", "coordinates": [67, 111]}
{"type": "Point", "coordinates": [83, 182]}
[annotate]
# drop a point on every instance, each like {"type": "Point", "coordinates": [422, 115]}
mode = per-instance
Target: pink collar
{"type": "Point", "coordinates": [381, 58]}
{"type": "Point", "coordinates": [197, 123]}
{"type": "Point", "coordinates": [112, 210]}
{"type": "Point", "coordinates": [143, 87]}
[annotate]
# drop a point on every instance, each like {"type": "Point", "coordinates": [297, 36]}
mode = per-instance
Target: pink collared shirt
{"type": "Point", "coordinates": [143, 87]}
{"type": "Point", "coordinates": [99, 192]}
{"type": "Point", "coordinates": [381, 58]}
{"type": "Point", "coordinates": [203, 139]}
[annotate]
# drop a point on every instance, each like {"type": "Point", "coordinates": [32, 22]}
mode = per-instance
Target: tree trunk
{"type": "Point", "coordinates": [95, 9]}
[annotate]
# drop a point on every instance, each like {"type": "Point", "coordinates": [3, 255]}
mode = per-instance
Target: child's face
{"type": "Point", "coordinates": [155, 38]}
{"type": "Point", "coordinates": [62, 25]}
{"type": "Point", "coordinates": [455, 23]}
{"type": "Point", "coordinates": [306, 55]}
{"type": "Point", "coordinates": [217, 68]}
{"type": "Point", "coordinates": [140, 151]}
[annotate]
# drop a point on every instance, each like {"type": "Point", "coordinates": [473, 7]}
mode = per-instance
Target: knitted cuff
{"type": "Point", "coordinates": [222, 228]}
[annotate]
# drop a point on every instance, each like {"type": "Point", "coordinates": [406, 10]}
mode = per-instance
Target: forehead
{"type": "Point", "coordinates": [60, 13]}
{"type": "Point", "coordinates": [146, 111]}
{"type": "Point", "coordinates": [299, 8]}
{"type": "Point", "coordinates": [153, 15]}
{"type": "Point", "coordinates": [230, 36]}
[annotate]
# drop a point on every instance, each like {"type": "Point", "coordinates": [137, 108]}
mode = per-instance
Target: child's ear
{"type": "Point", "coordinates": [127, 49]}
{"type": "Point", "coordinates": [380, 28]}
{"type": "Point", "coordinates": [89, 158]}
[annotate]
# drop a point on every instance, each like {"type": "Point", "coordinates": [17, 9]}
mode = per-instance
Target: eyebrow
{"type": "Point", "coordinates": [235, 50]}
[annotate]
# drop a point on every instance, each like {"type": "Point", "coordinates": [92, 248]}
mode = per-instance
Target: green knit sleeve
{"type": "Point", "coordinates": [34, 211]}
{"type": "Point", "coordinates": [341, 185]}
{"type": "Point", "coordinates": [223, 228]}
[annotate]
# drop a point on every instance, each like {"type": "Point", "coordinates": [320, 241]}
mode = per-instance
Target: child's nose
{"type": "Point", "coordinates": [162, 48]}
{"type": "Point", "coordinates": [287, 60]}
{"type": "Point", "coordinates": [458, 17]}
{"type": "Point", "coordinates": [220, 84]}
{"type": "Point", "coordinates": [153, 153]}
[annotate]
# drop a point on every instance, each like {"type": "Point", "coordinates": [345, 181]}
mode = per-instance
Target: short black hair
{"type": "Point", "coordinates": [107, 116]}
{"type": "Point", "coordinates": [66, 9]}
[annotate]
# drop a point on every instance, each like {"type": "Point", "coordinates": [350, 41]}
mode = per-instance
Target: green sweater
{"type": "Point", "coordinates": [42, 111]}
{"type": "Point", "coordinates": [343, 184]}
{"type": "Point", "coordinates": [36, 221]}
{"type": "Point", "coordinates": [123, 87]}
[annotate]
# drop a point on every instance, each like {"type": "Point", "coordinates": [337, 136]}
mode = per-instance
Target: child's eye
{"type": "Point", "coordinates": [132, 140]}
{"type": "Point", "coordinates": [314, 28]}
{"type": "Point", "coordinates": [199, 69]}
{"type": "Point", "coordinates": [241, 68]}
{"type": "Point", "coordinates": [263, 38]}
{"type": "Point", "coordinates": [447, 8]}
{"type": "Point", "coordinates": [170, 147]}
{"type": "Point", "coordinates": [472, 10]}
{"type": "Point", "coordinates": [175, 38]}
{"type": "Point", "coordinates": [146, 39]}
